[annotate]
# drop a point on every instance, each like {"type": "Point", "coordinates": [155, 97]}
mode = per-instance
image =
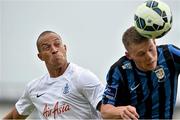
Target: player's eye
{"type": "Point", "coordinates": [151, 49]}
{"type": "Point", "coordinates": [45, 47]}
{"type": "Point", "coordinates": [140, 54]}
{"type": "Point", "coordinates": [57, 44]}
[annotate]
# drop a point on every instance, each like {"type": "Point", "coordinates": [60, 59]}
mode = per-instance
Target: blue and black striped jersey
{"type": "Point", "coordinates": [153, 93]}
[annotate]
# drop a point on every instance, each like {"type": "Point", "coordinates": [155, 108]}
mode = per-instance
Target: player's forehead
{"type": "Point", "coordinates": [49, 37]}
{"type": "Point", "coordinates": [141, 47]}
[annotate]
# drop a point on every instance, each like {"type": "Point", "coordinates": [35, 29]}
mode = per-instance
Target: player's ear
{"type": "Point", "coordinates": [65, 47]}
{"type": "Point", "coordinates": [40, 56]}
{"type": "Point", "coordinates": [154, 41]}
{"type": "Point", "coordinates": [127, 55]}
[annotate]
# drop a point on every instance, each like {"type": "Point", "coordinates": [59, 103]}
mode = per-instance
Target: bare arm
{"type": "Point", "coordinates": [13, 114]}
{"type": "Point", "coordinates": [109, 111]}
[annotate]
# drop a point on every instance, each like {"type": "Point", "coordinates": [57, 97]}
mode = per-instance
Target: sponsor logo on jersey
{"type": "Point", "coordinates": [127, 65]}
{"type": "Point", "coordinates": [134, 87]}
{"type": "Point", "coordinates": [66, 89]}
{"type": "Point", "coordinates": [110, 92]}
{"type": "Point", "coordinates": [39, 95]}
{"type": "Point", "coordinates": [56, 110]}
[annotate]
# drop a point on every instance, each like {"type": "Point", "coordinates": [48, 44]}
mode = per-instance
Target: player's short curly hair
{"type": "Point", "coordinates": [131, 36]}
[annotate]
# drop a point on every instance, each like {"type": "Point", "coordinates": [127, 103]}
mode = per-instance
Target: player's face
{"type": "Point", "coordinates": [52, 51]}
{"type": "Point", "coordinates": [144, 55]}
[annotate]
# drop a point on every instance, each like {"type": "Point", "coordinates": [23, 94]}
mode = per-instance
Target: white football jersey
{"type": "Point", "coordinates": [73, 95]}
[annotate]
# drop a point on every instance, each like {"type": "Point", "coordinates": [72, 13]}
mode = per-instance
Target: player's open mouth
{"type": "Point", "coordinates": [151, 63]}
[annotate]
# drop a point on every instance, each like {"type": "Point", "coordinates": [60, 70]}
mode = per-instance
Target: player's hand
{"type": "Point", "coordinates": [128, 112]}
{"type": "Point", "coordinates": [109, 111]}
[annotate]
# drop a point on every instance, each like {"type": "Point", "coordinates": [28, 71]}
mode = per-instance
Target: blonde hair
{"type": "Point", "coordinates": [131, 36]}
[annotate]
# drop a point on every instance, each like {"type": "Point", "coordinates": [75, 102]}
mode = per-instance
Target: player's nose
{"type": "Point", "coordinates": [54, 50]}
{"type": "Point", "coordinates": [149, 56]}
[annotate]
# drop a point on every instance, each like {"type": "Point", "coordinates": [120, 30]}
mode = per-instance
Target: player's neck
{"type": "Point", "coordinates": [59, 71]}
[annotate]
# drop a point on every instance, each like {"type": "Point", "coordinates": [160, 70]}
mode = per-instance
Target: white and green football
{"type": "Point", "coordinates": [153, 19]}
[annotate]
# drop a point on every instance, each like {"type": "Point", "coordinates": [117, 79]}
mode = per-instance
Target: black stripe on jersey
{"type": "Point", "coordinates": [161, 100]}
{"type": "Point", "coordinates": [148, 113]}
{"type": "Point", "coordinates": [109, 79]}
{"type": "Point", "coordinates": [109, 82]}
{"type": "Point", "coordinates": [176, 47]}
{"type": "Point", "coordinates": [139, 90]}
{"type": "Point", "coordinates": [170, 64]}
{"type": "Point", "coordinates": [110, 74]}
{"type": "Point", "coordinates": [176, 58]}
{"type": "Point", "coordinates": [123, 92]}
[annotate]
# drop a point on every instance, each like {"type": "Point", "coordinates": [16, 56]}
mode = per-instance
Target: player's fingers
{"type": "Point", "coordinates": [126, 117]}
{"type": "Point", "coordinates": [130, 115]}
{"type": "Point", "coordinates": [133, 111]}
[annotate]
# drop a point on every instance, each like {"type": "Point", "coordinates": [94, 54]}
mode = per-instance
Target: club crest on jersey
{"type": "Point", "coordinates": [160, 73]}
{"type": "Point", "coordinates": [66, 89]}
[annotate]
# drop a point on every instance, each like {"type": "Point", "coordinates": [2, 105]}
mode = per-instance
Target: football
{"type": "Point", "coordinates": [153, 19]}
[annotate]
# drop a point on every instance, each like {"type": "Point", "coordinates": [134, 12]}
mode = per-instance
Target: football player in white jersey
{"type": "Point", "coordinates": [67, 91]}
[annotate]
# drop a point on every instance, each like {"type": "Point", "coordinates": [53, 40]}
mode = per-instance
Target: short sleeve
{"type": "Point", "coordinates": [92, 88]}
{"type": "Point", "coordinates": [24, 105]}
{"type": "Point", "coordinates": [113, 82]}
{"type": "Point", "coordinates": [175, 51]}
